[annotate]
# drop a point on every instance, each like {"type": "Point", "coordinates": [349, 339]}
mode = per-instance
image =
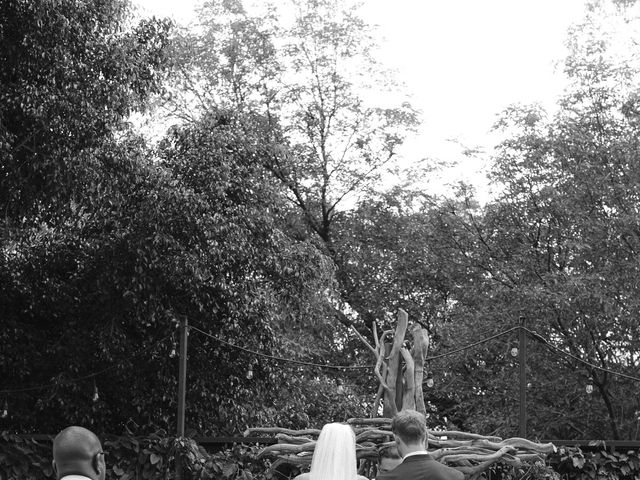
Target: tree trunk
{"type": "Point", "coordinates": [409, 391]}
{"type": "Point", "coordinates": [419, 353]}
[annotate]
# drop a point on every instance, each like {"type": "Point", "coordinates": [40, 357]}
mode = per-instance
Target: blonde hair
{"type": "Point", "coordinates": [334, 457]}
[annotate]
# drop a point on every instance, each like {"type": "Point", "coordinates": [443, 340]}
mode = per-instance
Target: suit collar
{"type": "Point", "coordinates": [417, 452]}
{"type": "Point", "coordinates": [417, 457]}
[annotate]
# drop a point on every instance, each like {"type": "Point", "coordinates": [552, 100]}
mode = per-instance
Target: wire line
{"type": "Point", "coordinates": [345, 367]}
{"type": "Point", "coordinates": [71, 381]}
{"type": "Point", "coordinates": [540, 338]}
{"type": "Point", "coordinates": [475, 344]}
{"type": "Point", "coordinates": [282, 359]}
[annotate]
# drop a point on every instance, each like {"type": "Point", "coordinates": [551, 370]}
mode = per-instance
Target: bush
{"type": "Point", "coordinates": [152, 457]}
{"type": "Point", "coordinates": [574, 464]}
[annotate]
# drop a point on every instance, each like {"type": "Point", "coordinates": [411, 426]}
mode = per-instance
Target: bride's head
{"type": "Point", "coordinates": [334, 457]}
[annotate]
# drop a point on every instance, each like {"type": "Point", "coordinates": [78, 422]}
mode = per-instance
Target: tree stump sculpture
{"type": "Point", "coordinates": [400, 371]}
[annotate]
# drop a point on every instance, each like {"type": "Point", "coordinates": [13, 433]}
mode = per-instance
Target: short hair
{"type": "Point", "coordinates": [410, 426]}
{"type": "Point", "coordinates": [389, 451]}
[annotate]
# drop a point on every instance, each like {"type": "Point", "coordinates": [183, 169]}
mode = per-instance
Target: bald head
{"type": "Point", "coordinates": [77, 451]}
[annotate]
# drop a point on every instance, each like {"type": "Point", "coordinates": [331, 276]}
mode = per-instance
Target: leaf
{"type": "Point", "coordinates": [578, 462]}
{"type": "Point", "coordinates": [229, 470]}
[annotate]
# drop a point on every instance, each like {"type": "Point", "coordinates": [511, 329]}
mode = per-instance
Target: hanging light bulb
{"type": "Point", "coordinates": [429, 380]}
{"type": "Point", "coordinates": [514, 352]}
{"type": "Point", "coordinates": [5, 411]}
{"type": "Point", "coordinates": [589, 388]}
{"type": "Point", "coordinates": [96, 396]}
{"type": "Point", "coordinates": [172, 353]}
{"type": "Point", "coordinates": [250, 373]}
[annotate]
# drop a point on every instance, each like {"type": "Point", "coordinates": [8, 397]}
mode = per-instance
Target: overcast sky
{"type": "Point", "coordinates": [462, 63]}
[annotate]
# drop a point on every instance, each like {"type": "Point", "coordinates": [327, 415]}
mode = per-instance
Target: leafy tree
{"type": "Point", "coordinates": [558, 246]}
{"type": "Point", "coordinates": [306, 77]}
{"type": "Point", "coordinates": [303, 71]}
{"type": "Point", "coordinates": [117, 245]}
{"type": "Point", "coordinates": [70, 76]}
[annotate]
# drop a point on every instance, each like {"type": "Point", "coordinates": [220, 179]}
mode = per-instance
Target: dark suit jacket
{"type": "Point", "coordinates": [421, 467]}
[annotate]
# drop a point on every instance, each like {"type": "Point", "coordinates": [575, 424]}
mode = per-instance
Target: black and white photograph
{"type": "Point", "coordinates": [319, 240]}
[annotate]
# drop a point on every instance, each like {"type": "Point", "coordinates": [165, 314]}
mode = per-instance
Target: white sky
{"type": "Point", "coordinates": [465, 61]}
{"type": "Point", "coordinates": [462, 63]}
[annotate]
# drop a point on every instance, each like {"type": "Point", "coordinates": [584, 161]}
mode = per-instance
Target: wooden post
{"type": "Point", "coordinates": [522, 359]}
{"type": "Point", "coordinates": [182, 376]}
{"type": "Point", "coordinates": [182, 390]}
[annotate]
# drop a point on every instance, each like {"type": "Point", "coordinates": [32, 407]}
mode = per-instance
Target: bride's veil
{"type": "Point", "coordinates": [334, 457]}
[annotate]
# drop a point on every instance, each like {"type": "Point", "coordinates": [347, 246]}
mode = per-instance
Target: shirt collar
{"type": "Point", "coordinates": [419, 452]}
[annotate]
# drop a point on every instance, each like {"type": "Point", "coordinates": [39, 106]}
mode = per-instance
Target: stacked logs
{"type": "Point", "coordinates": [470, 453]}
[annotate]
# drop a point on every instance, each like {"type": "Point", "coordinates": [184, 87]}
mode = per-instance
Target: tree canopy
{"type": "Point", "coordinates": [259, 217]}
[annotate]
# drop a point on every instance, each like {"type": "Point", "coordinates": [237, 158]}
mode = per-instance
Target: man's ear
{"type": "Point", "coordinates": [97, 464]}
{"type": "Point", "coordinates": [55, 468]}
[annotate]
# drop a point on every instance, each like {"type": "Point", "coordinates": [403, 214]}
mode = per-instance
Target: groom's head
{"type": "Point", "coordinates": [77, 451]}
{"type": "Point", "coordinates": [410, 431]}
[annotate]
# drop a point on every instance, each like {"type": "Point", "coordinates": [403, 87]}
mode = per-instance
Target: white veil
{"type": "Point", "coordinates": [334, 457]}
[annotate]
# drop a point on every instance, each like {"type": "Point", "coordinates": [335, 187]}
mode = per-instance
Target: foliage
{"type": "Point", "coordinates": [303, 77]}
{"type": "Point", "coordinates": [70, 74]}
{"type": "Point", "coordinates": [104, 291]}
{"type": "Point", "coordinates": [22, 458]}
{"type": "Point", "coordinates": [95, 281]}
{"type": "Point", "coordinates": [527, 471]}
{"type": "Point", "coordinates": [387, 259]}
{"type": "Point", "coordinates": [154, 457]}
{"type": "Point", "coordinates": [559, 247]}
{"type": "Point", "coordinates": [138, 457]}
{"type": "Point", "coordinates": [576, 464]}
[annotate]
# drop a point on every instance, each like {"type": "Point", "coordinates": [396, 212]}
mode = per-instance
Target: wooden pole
{"type": "Point", "coordinates": [182, 390]}
{"type": "Point", "coordinates": [182, 376]}
{"type": "Point", "coordinates": [522, 352]}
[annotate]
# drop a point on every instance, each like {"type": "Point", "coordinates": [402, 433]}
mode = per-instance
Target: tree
{"type": "Point", "coordinates": [312, 80]}
{"type": "Point", "coordinates": [308, 79]}
{"type": "Point", "coordinates": [107, 261]}
{"type": "Point", "coordinates": [70, 76]}
{"type": "Point", "coordinates": [559, 246]}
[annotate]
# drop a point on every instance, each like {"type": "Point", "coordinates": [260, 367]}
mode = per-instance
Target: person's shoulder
{"type": "Point", "coordinates": [450, 472]}
{"type": "Point", "coordinates": [302, 476]}
{"type": "Point", "coordinates": [390, 475]}
{"type": "Point", "coordinates": [361, 477]}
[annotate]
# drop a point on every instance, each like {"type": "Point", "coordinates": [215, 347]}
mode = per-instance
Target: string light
{"type": "Point", "coordinates": [541, 339]}
{"type": "Point", "coordinates": [589, 388]}
{"type": "Point", "coordinates": [282, 359]}
{"type": "Point", "coordinates": [5, 411]}
{"type": "Point", "coordinates": [96, 396]}
{"type": "Point", "coordinates": [249, 373]}
{"type": "Point", "coordinates": [430, 381]}
{"type": "Point", "coordinates": [84, 377]}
